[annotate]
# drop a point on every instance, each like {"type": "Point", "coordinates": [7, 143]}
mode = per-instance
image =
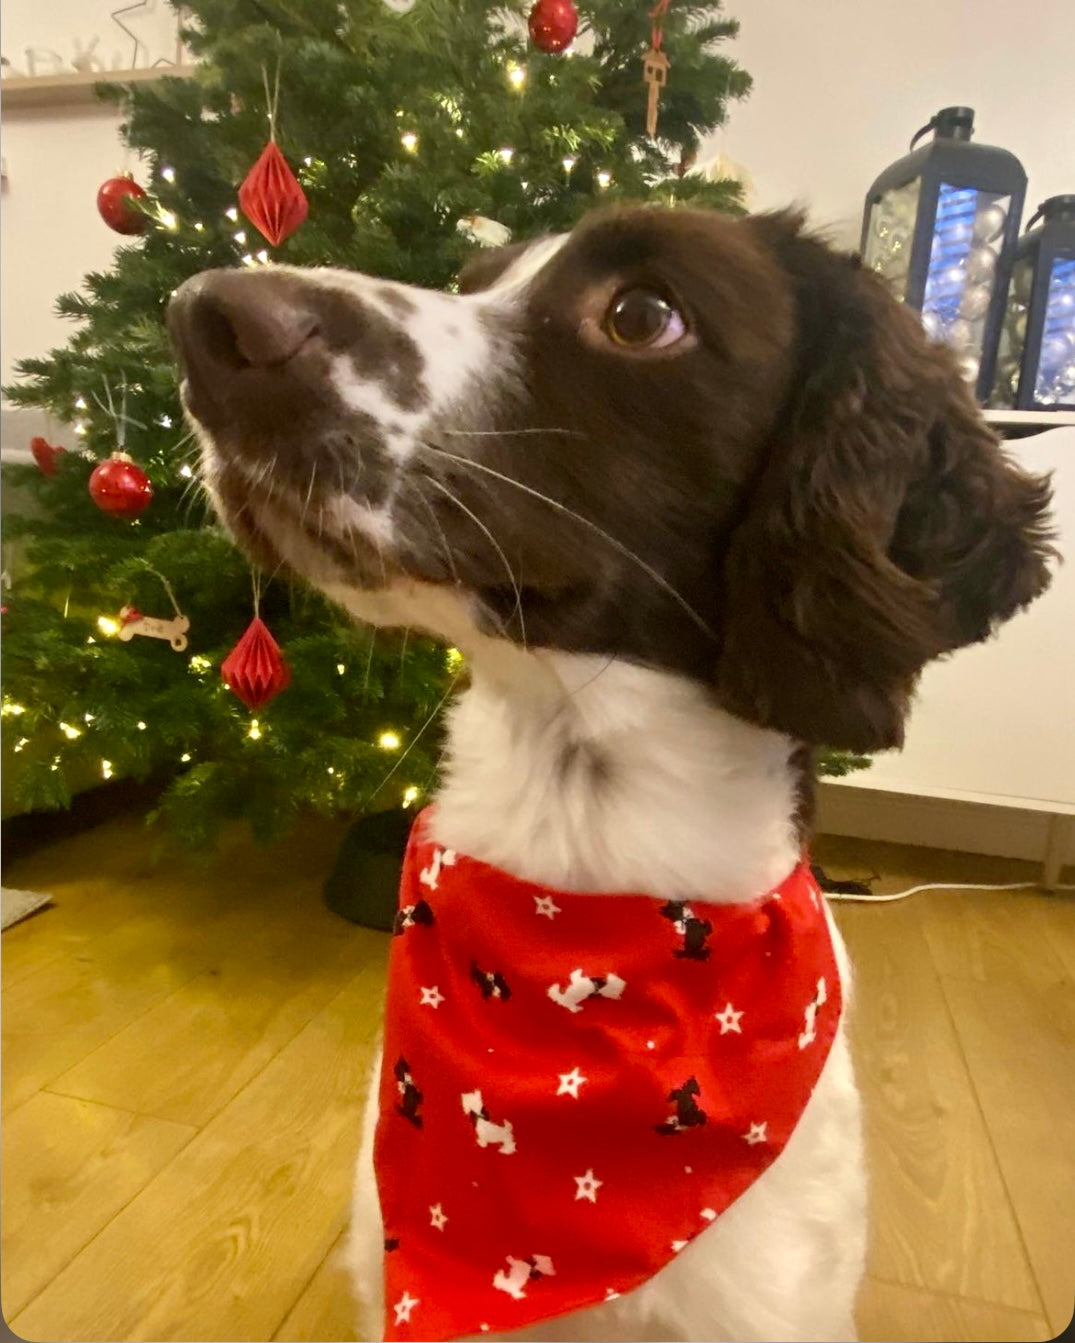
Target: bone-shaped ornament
{"type": "Point", "coordinates": [174, 630]}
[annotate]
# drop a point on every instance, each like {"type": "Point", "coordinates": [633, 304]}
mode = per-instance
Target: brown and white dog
{"type": "Point", "coordinates": [694, 495]}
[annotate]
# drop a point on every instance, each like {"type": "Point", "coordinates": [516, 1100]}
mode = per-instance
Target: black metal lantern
{"type": "Point", "coordinates": [1036, 360]}
{"type": "Point", "coordinates": [941, 225]}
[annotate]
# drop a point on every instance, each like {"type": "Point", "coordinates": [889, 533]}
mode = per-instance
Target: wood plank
{"type": "Point", "coordinates": [940, 1213]}
{"type": "Point", "coordinates": [240, 1221]}
{"type": "Point", "coordinates": [241, 1011]}
{"type": "Point", "coordinates": [122, 939]}
{"type": "Point", "coordinates": [55, 1017]}
{"type": "Point", "coordinates": [890, 1312]}
{"type": "Point", "coordinates": [988, 935]}
{"type": "Point", "coordinates": [69, 1167]}
{"type": "Point", "coordinates": [1019, 1042]}
{"type": "Point", "coordinates": [325, 1312]}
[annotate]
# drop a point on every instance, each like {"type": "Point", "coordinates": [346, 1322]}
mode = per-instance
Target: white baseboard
{"type": "Point", "coordinates": [967, 827]}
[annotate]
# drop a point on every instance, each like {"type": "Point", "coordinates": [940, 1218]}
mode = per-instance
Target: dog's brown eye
{"type": "Point", "coordinates": [643, 319]}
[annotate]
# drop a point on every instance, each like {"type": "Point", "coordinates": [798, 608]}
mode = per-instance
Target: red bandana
{"type": "Point", "coordinates": [575, 1086]}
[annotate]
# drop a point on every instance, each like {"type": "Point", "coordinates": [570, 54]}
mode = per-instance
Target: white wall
{"type": "Point", "coordinates": [50, 231]}
{"type": "Point", "coordinates": [840, 86]}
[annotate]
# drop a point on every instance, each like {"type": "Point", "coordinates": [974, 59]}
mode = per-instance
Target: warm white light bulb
{"type": "Point", "coordinates": [108, 626]}
{"type": "Point", "coordinates": [254, 730]}
{"type": "Point", "coordinates": [168, 174]}
{"type": "Point", "coordinates": [330, 770]}
{"type": "Point", "coordinates": [604, 180]}
{"type": "Point", "coordinates": [516, 76]}
{"type": "Point", "coordinates": [140, 725]}
{"type": "Point", "coordinates": [569, 163]}
{"type": "Point", "coordinates": [71, 733]}
{"type": "Point", "coordinates": [263, 257]}
{"type": "Point", "coordinates": [506, 154]}
{"type": "Point", "coordinates": [185, 471]}
{"type": "Point", "coordinates": [22, 742]}
{"type": "Point", "coordinates": [87, 717]}
{"type": "Point", "coordinates": [199, 663]}
{"type": "Point", "coordinates": [232, 213]}
{"type": "Point", "coordinates": [165, 421]}
{"type": "Point", "coordinates": [410, 795]}
{"type": "Point", "coordinates": [409, 141]}
{"type": "Point", "coordinates": [169, 219]}
{"type": "Point", "coordinates": [199, 227]}
{"type": "Point", "coordinates": [184, 759]}
{"type": "Point", "coordinates": [80, 429]}
{"type": "Point", "coordinates": [106, 768]}
{"type": "Point", "coordinates": [340, 669]}
{"type": "Point", "coordinates": [240, 238]}
{"type": "Point", "coordinates": [80, 404]}
{"type": "Point", "coordinates": [10, 709]}
{"type": "Point", "coordinates": [389, 741]}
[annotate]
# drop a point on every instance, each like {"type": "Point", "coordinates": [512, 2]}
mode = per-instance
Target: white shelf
{"type": "Point", "coordinates": [1030, 419]}
{"type": "Point", "coordinates": [76, 89]}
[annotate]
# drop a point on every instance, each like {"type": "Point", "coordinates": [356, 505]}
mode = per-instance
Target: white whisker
{"type": "Point", "coordinates": [496, 546]}
{"type": "Point", "coordinates": [625, 551]}
{"type": "Point", "coordinates": [506, 433]}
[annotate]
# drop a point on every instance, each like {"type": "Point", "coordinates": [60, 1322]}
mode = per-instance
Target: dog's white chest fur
{"type": "Point", "coordinates": [597, 776]}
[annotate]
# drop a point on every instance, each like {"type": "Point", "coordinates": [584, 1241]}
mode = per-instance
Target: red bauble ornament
{"type": "Point", "coordinates": [114, 205]}
{"type": "Point", "coordinates": [119, 487]}
{"type": "Point", "coordinates": [271, 197]}
{"type": "Point", "coordinates": [47, 455]}
{"type": "Point", "coordinates": [255, 668]}
{"type": "Point", "coordinates": [553, 25]}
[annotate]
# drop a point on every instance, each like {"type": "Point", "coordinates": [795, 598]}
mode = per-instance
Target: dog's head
{"type": "Point", "coordinates": [709, 445]}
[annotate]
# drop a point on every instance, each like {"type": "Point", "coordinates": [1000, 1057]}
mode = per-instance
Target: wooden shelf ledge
{"type": "Point", "coordinates": [76, 89]}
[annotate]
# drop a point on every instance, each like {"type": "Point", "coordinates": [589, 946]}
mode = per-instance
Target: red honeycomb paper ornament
{"type": "Point", "coordinates": [271, 197]}
{"type": "Point", "coordinates": [255, 668]}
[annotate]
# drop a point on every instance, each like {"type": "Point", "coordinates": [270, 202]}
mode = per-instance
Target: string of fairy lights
{"type": "Point", "coordinates": [387, 740]}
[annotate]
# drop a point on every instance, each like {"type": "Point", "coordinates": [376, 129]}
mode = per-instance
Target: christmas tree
{"type": "Point", "coordinates": [417, 132]}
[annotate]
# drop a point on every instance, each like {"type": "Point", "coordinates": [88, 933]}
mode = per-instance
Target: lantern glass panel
{"type": "Point", "coordinates": [1056, 363]}
{"type": "Point", "coordinates": [891, 232]}
{"type": "Point", "coordinates": [1013, 333]}
{"type": "Point", "coordinates": [962, 272]}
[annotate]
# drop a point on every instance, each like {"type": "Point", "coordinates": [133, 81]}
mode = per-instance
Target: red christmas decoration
{"type": "Point", "coordinates": [114, 205]}
{"type": "Point", "coordinates": [271, 197]}
{"type": "Point", "coordinates": [255, 668]}
{"type": "Point", "coordinates": [47, 455]}
{"type": "Point", "coordinates": [120, 487]}
{"type": "Point", "coordinates": [553, 25]}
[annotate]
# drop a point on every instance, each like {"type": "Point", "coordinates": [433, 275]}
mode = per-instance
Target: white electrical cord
{"type": "Point", "coordinates": [943, 886]}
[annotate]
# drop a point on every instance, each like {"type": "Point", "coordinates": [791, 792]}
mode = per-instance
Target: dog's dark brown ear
{"type": "Point", "coordinates": [886, 527]}
{"type": "Point", "coordinates": [484, 267]}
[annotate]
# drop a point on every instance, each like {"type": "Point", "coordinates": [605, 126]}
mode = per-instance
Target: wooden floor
{"type": "Point", "coordinates": [185, 1055]}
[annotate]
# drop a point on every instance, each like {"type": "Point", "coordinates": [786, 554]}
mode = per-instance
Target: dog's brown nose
{"type": "Point", "coordinates": [226, 320]}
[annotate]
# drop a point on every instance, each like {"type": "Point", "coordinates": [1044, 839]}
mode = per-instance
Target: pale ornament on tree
{"type": "Point", "coordinates": [485, 232]}
{"type": "Point", "coordinates": [133, 622]}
